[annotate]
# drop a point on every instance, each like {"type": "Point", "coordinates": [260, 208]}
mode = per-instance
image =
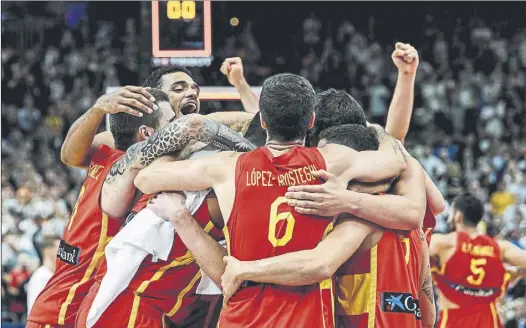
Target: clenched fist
{"type": "Point", "coordinates": [405, 57]}
{"type": "Point", "coordinates": [129, 99]}
{"type": "Point", "coordinates": [232, 68]}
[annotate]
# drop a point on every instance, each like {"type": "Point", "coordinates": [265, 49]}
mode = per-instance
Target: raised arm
{"type": "Point", "coordinates": [189, 175]}
{"type": "Point", "coordinates": [232, 68]}
{"type": "Point", "coordinates": [512, 254]}
{"type": "Point", "coordinates": [426, 295]}
{"type": "Point", "coordinates": [81, 142]}
{"type": "Point", "coordinates": [405, 57]}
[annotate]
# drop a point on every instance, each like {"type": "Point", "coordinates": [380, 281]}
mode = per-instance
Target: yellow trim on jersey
{"type": "Point", "coordinates": [182, 260]}
{"type": "Point", "coordinates": [507, 277]}
{"type": "Point", "coordinates": [48, 326]}
{"type": "Point", "coordinates": [372, 290]}
{"type": "Point", "coordinates": [99, 253]}
{"type": "Point", "coordinates": [355, 289]}
{"type": "Point", "coordinates": [208, 226]}
{"type": "Point", "coordinates": [328, 229]}
{"type": "Point", "coordinates": [443, 324]}
{"type": "Point", "coordinates": [227, 239]}
{"type": "Point", "coordinates": [183, 292]}
{"type": "Point", "coordinates": [494, 315]}
{"type": "Point", "coordinates": [134, 311]}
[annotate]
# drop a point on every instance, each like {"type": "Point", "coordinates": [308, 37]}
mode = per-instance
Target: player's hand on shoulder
{"type": "Point", "coordinates": [232, 68]}
{"type": "Point", "coordinates": [129, 99]}
{"type": "Point", "coordinates": [230, 281]}
{"type": "Point", "coordinates": [405, 57]}
{"type": "Point", "coordinates": [169, 206]}
{"type": "Point", "coordinates": [327, 199]}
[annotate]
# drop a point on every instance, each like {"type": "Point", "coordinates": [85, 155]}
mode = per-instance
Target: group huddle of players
{"type": "Point", "coordinates": [327, 219]}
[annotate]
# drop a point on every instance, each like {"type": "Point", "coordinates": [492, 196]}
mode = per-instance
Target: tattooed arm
{"type": "Point", "coordinates": [426, 295]}
{"type": "Point", "coordinates": [173, 138]}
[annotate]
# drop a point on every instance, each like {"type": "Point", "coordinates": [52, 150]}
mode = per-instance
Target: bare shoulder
{"type": "Point", "coordinates": [444, 240]}
{"type": "Point", "coordinates": [336, 157]}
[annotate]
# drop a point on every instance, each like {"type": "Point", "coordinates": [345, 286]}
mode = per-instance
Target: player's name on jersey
{"type": "Point", "coordinates": [301, 175]}
{"type": "Point", "coordinates": [478, 250]}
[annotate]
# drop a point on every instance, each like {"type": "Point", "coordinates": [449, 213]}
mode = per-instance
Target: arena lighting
{"type": "Point", "coordinates": [234, 21]}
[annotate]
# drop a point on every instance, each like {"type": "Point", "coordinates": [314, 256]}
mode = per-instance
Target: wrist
{"type": "Point", "coordinates": [352, 202]}
{"type": "Point", "coordinates": [406, 74]}
{"type": "Point", "coordinates": [97, 110]}
{"type": "Point", "coordinates": [241, 83]}
{"type": "Point", "coordinates": [181, 217]}
{"type": "Point", "coordinates": [246, 270]}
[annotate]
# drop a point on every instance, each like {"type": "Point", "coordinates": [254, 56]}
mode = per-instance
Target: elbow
{"type": "Point", "coordinates": [402, 167]}
{"type": "Point", "coordinates": [141, 183]}
{"type": "Point", "coordinates": [414, 217]}
{"type": "Point", "coordinates": [324, 271]}
{"type": "Point", "coordinates": [437, 205]}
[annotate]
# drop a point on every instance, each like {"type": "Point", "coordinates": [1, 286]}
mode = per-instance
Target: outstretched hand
{"type": "Point", "coordinates": [129, 99]}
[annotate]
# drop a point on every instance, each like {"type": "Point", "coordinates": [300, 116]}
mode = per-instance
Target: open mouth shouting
{"type": "Point", "coordinates": [189, 107]}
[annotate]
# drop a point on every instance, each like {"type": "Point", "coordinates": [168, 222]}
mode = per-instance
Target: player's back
{"type": "Point", "coordinates": [379, 287]}
{"type": "Point", "coordinates": [81, 248]}
{"type": "Point", "coordinates": [471, 281]}
{"type": "Point", "coordinates": [262, 225]}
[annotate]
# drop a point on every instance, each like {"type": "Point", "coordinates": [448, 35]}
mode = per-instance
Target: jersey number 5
{"type": "Point", "coordinates": [275, 217]}
{"type": "Point", "coordinates": [478, 271]}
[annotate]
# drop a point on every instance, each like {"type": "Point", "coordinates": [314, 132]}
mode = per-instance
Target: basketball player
{"type": "Point", "coordinates": [82, 138]}
{"type": "Point", "coordinates": [471, 275]}
{"type": "Point", "coordinates": [106, 195]}
{"type": "Point", "coordinates": [287, 110]}
{"type": "Point", "coordinates": [184, 98]}
{"type": "Point", "coordinates": [386, 269]}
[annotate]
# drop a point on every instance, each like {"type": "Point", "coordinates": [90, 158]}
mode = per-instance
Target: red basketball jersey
{"type": "Point", "coordinates": [262, 225]}
{"type": "Point", "coordinates": [81, 248]}
{"type": "Point", "coordinates": [379, 287]}
{"type": "Point", "coordinates": [474, 275]}
{"type": "Point", "coordinates": [429, 224]}
{"type": "Point", "coordinates": [170, 285]}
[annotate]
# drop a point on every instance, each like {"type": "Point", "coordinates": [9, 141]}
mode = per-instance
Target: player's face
{"type": "Point", "coordinates": [182, 91]}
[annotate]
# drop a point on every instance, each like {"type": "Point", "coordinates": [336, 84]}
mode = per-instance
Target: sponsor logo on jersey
{"type": "Point", "coordinates": [474, 292]}
{"type": "Point", "coordinates": [400, 303]}
{"type": "Point", "coordinates": [68, 254]}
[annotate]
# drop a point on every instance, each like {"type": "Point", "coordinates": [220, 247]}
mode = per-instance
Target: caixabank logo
{"type": "Point", "coordinates": [400, 303]}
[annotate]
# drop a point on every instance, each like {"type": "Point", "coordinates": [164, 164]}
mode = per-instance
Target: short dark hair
{"type": "Point", "coordinates": [286, 103]}
{"type": "Point", "coordinates": [255, 133]}
{"type": "Point", "coordinates": [155, 79]}
{"type": "Point", "coordinates": [124, 126]}
{"type": "Point", "coordinates": [471, 209]}
{"type": "Point", "coordinates": [335, 107]}
{"type": "Point", "coordinates": [354, 136]}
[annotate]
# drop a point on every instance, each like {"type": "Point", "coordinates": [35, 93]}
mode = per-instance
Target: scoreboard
{"type": "Point", "coordinates": [181, 29]}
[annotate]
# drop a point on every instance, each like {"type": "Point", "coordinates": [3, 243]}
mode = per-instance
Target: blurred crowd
{"type": "Point", "coordinates": [467, 127]}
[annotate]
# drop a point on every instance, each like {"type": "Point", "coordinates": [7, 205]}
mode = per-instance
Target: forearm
{"type": "Point", "coordinates": [434, 197]}
{"type": "Point", "coordinates": [249, 100]}
{"type": "Point", "coordinates": [77, 146]}
{"type": "Point", "coordinates": [207, 252]}
{"type": "Point", "coordinates": [293, 269]}
{"type": "Point", "coordinates": [389, 211]}
{"type": "Point", "coordinates": [426, 295]}
{"type": "Point", "coordinates": [401, 108]}
{"type": "Point", "coordinates": [374, 166]}
{"type": "Point", "coordinates": [175, 136]}
{"type": "Point", "coordinates": [237, 121]}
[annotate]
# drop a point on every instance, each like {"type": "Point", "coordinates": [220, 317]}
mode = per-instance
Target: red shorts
{"type": "Point", "coordinates": [127, 310]}
{"type": "Point", "coordinates": [31, 324]}
{"type": "Point", "coordinates": [478, 316]}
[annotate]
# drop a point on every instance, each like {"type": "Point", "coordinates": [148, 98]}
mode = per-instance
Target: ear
{"type": "Point", "coordinates": [145, 132]}
{"type": "Point", "coordinates": [458, 218]}
{"type": "Point", "coordinates": [263, 124]}
{"type": "Point", "coordinates": [313, 118]}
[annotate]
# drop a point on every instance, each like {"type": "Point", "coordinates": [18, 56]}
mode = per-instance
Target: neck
{"type": "Point", "coordinates": [49, 263]}
{"type": "Point", "coordinates": [467, 229]}
{"type": "Point", "coordinates": [279, 147]}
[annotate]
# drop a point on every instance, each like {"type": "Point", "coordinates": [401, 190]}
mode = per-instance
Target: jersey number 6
{"type": "Point", "coordinates": [275, 217]}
